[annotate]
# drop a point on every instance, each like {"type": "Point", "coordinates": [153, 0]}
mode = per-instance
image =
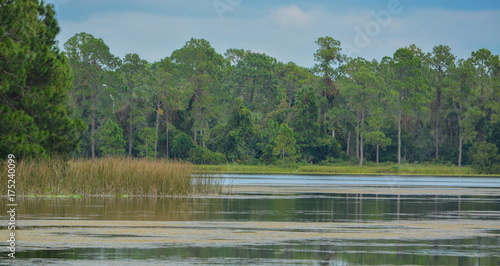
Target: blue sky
{"type": "Point", "coordinates": [286, 30]}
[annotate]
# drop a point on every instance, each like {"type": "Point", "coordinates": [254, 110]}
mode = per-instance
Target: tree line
{"type": "Point", "coordinates": [243, 106]}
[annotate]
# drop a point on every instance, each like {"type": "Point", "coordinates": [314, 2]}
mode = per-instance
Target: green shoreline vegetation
{"type": "Point", "coordinates": [385, 169]}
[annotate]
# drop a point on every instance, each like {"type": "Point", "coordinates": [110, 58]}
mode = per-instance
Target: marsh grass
{"type": "Point", "coordinates": [385, 169]}
{"type": "Point", "coordinates": [110, 176]}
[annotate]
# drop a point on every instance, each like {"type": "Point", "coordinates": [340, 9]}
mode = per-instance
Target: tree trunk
{"type": "Point", "coordinates": [481, 107]}
{"type": "Point", "coordinates": [157, 126]}
{"type": "Point", "coordinates": [451, 134]}
{"type": "Point", "coordinates": [324, 122]}
{"type": "Point", "coordinates": [460, 148]}
{"type": "Point", "coordinates": [130, 138]}
{"type": "Point", "coordinates": [251, 95]}
{"type": "Point", "coordinates": [348, 142]}
{"type": "Point", "coordinates": [361, 152]}
{"type": "Point", "coordinates": [361, 148]}
{"type": "Point", "coordinates": [438, 107]}
{"type": "Point", "coordinates": [166, 127]}
{"type": "Point", "coordinates": [198, 112]}
{"type": "Point", "coordinates": [283, 157]}
{"type": "Point", "coordinates": [460, 138]}
{"type": "Point", "coordinates": [357, 135]}
{"type": "Point", "coordinates": [399, 128]}
{"type": "Point", "coordinates": [203, 137]}
{"type": "Point", "coordinates": [377, 153]}
{"type": "Point", "coordinates": [92, 130]}
{"type": "Point", "coordinates": [130, 128]}
{"type": "Point", "coordinates": [438, 110]}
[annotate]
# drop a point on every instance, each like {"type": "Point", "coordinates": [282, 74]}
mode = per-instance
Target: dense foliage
{"type": "Point", "coordinates": [34, 81]}
{"type": "Point", "coordinates": [247, 107]}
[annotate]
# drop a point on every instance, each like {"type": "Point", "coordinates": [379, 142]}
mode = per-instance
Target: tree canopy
{"type": "Point", "coordinates": [242, 106]}
{"type": "Point", "coordinates": [34, 83]}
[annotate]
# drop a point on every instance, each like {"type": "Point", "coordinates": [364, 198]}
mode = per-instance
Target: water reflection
{"type": "Point", "coordinates": [439, 252]}
{"type": "Point", "coordinates": [327, 209]}
{"type": "Point", "coordinates": [303, 208]}
{"type": "Point", "coordinates": [343, 180]}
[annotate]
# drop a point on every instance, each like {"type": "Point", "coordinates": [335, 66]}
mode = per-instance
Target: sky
{"type": "Point", "coordinates": [285, 30]}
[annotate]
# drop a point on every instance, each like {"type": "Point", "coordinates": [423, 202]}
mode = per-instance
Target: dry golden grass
{"type": "Point", "coordinates": [109, 176]}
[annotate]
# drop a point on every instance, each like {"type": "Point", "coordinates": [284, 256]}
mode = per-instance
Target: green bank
{"type": "Point", "coordinates": [386, 169]}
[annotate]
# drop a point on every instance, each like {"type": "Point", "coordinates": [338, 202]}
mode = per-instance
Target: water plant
{"type": "Point", "coordinates": [110, 176]}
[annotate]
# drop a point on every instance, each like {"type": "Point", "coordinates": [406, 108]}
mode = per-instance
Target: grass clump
{"type": "Point", "coordinates": [109, 176]}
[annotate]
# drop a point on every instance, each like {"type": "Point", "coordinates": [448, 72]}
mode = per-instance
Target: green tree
{"type": "Point", "coordinates": [135, 73]}
{"type": "Point", "coordinates": [293, 78]}
{"type": "Point", "coordinates": [93, 67]}
{"type": "Point", "coordinates": [256, 81]}
{"type": "Point", "coordinates": [362, 89]}
{"type": "Point", "coordinates": [305, 122]}
{"type": "Point", "coordinates": [487, 85]}
{"type": "Point", "coordinates": [201, 66]}
{"type": "Point", "coordinates": [465, 102]}
{"type": "Point", "coordinates": [406, 69]}
{"type": "Point", "coordinates": [327, 55]}
{"type": "Point", "coordinates": [268, 140]}
{"type": "Point", "coordinates": [285, 143]}
{"type": "Point", "coordinates": [34, 82]}
{"type": "Point", "coordinates": [148, 137]}
{"type": "Point", "coordinates": [111, 139]}
{"type": "Point", "coordinates": [168, 97]}
{"type": "Point", "coordinates": [379, 139]}
{"type": "Point", "coordinates": [240, 130]}
{"type": "Point", "coordinates": [442, 60]}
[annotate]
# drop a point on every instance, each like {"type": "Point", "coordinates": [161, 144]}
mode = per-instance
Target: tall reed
{"type": "Point", "coordinates": [109, 176]}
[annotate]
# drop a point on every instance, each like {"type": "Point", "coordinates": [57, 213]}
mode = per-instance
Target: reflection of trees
{"type": "Point", "coordinates": [332, 208]}
{"type": "Point", "coordinates": [399, 205]}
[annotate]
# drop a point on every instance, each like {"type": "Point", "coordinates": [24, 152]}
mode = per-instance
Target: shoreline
{"type": "Point", "coordinates": [239, 190]}
{"type": "Point", "coordinates": [274, 190]}
{"type": "Point", "coordinates": [391, 170]}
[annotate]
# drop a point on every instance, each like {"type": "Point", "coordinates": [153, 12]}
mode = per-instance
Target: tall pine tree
{"type": "Point", "coordinates": [34, 81]}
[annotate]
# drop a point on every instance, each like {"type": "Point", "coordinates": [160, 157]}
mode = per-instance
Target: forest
{"type": "Point", "coordinates": [244, 107]}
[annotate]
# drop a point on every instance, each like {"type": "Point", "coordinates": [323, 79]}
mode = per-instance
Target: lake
{"type": "Point", "coordinates": [270, 220]}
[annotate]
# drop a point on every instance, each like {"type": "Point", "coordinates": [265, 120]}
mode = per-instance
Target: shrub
{"type": "Point", "coordinates": [182, 145]}
{"type": "Point", "coordinates": [485, 158]}
{"type": "Point", "coordinates": [199, 155]}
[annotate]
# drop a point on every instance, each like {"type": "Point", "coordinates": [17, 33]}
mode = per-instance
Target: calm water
{"type": "Point", "coordinates": [269, 228]}
{"type": "Point", "coordinates": [427, 181]}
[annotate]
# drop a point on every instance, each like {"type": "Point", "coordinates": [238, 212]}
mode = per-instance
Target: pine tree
{"type": "Point", "coordinates": [93, 66]}
{"type": "Point", "coordinates": [34, 84]}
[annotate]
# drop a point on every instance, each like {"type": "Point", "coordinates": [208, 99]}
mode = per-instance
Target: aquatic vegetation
{"type": "Point", "coordinates": [110, 176]}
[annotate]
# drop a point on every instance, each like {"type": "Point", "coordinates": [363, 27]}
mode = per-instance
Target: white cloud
{"type": "Point", "coordinates": [288, 33]}
{"type": "Point", "coordinates": [292, 16]}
